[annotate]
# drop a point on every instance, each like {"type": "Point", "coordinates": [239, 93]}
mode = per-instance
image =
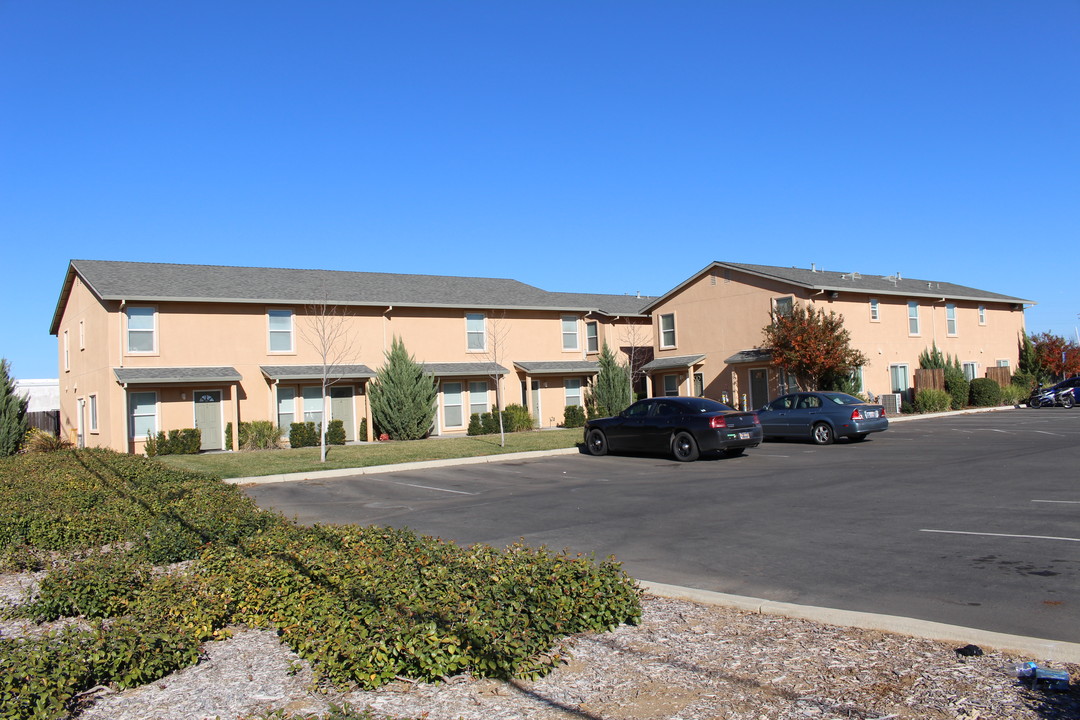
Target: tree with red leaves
{"type": "Point", "coordinates": [1059, 356]}
{"type": "Point", "coordinates": [812, 345]}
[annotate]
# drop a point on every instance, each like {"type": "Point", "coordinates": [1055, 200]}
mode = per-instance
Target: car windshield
{"type": "Point", "coordinates": [842, 398]}
{"type": "Point", "coordinates": [703, 405]}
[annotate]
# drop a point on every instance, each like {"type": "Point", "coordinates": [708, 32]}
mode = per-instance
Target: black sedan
{"type": "Point", "coordinates": [821, 417]}
{"type": "Point", "coordinates": [682, 426]}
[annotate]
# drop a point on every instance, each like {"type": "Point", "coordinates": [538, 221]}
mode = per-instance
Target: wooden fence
{"type": "Point", "coordinates": [47, 420]}
{"type": "Point", "coordinates": [1001, 375]}
{"type": "Point", "coordinates": [930, 379]}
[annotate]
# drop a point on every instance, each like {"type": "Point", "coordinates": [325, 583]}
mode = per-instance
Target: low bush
{"type": "Point", "coordinates": [99, 586]}
{"type": "Point", "coordinates": [177, 442]}
{"type": "Point", "coordinates": [39, 441]}
{"type": "Point", "coordinates": [931, 400]}
{"type": "Point", "coordinates": [957, 386]}
{"type": "Point", "coordinates": [574, 416]}
{"type": "Point", "coordinates": [304, 434]}
{"type": "Point", "coordinates": [335, 432]}
{"type": "Point", "coordinates": [985, 392]}
{"type": "Point", "coordinates": [518, 418]}
{"type": "Point", "coordinates": [258, 435]}
{"type": "Point", "coordinates": [1014, 394]}
{"type": "Point", "coordinates": [475, 426]}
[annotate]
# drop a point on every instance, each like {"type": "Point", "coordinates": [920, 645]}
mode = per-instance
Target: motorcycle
{"type": "Point", "coordinates": [1048, 397]}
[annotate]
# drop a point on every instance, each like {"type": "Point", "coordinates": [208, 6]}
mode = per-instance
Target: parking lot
{"type": "Point", "coordinates": [972, 520]}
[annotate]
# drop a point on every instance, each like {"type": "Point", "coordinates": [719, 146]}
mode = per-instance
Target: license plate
{"type": "Point", "coordinates": [744, 436]}
{"type": "Point", "coordinates": [871, 413]}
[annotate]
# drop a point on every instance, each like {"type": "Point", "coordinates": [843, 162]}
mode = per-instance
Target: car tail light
{"type": "Point", "coordinates": [856, 415]}
{"type": "Point", "coordinates": [717, 421]}
{"type": "Point", "coordinates": [757, 420]}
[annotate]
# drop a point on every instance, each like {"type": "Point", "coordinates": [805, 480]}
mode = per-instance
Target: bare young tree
{"type": "Point", "coordinates": [497, 332]}
{"type": "Point", "coordinates": [635, 342]}
{"type": "Point", "coordinates": [327, 331]}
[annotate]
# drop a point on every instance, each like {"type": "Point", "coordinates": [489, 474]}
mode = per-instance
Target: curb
{"type": "Point", "coordinates": [1055, 650]}
{"type": "Point", "coordinates": [399, 467]}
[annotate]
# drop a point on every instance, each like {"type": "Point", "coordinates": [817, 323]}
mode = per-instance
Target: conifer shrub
{"type": "Point", "coordinates": [931, 400]}
{"type": "Point", "coordinates": [518, 418]}
{"type": "Point", "coordinates": [956, 384]}
{"type": "Point", "coordinates": [187, 441]}
{"type": "Point", "coordinates": [335, 432]}
{"type": "Point", "coordinates": [13, 422]}
{"type": "Point", "coordinates": [403, 397]}
{"type": "Point", "coordinates": [985, 392]}
{"type": "Point", "coordinates": [304, 434]}
{"type": "Point", "coordinates": [476, 427]}
{"type": "Point", "coordinates": [574, 416]}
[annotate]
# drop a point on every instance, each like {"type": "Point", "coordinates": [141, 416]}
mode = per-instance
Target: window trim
{"type": "Point", "coordinates": [82, 334]}
{"type": "Point", "coordinates": [776, 304]}
{"type": "Point", "coordinates": [913, 305]}
{"type": "Point", "coordinates": [563, 319]}
{"type": "Point", "coordinates": [131, 414]}
{"type": "Point", "coordinates": [485, 393]}
{"type": "Point", "coordinates": [277, 407]}
{"type": "Point", "coordinates": [304, 401]}
{"type": "Point", "coordinates": [271, 332]}
{"type": "Point", "coordinates": [67, 351]}
{"type": "Point", "coordinates": [950, 320]}
{"type": "Point", "coordinates": [974, 365]}
{"type": "Point", "coordinates": [482, 332]}
{"type": "Point", "coordinates": [660, 336]}
{"type": "Point", "coordinates": [579, 395]}
{"type": "Point", "coordinates": [875, 310]}
{"type": "Point", "coordinates": [460, 405]}
{"type": "Point", "coordinates": [907, 377]}
{"type": "Point", "coordinates": [592, 341]}
{"type": "Point", "coordinates": [152, 330]}
{"type": "Point", "coordinates": [92, 404]}
{"type": "Point", "coordinates": [982, 315]}
{"type": "Point", "coordinates": [664, 384]}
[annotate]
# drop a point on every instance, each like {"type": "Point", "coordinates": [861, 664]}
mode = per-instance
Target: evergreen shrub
{"type": "Point", "coordinates": [187, 441]}
{"type": "Point", "coordinates": [956, 384]}
{"type": "Point", "coordinates": [985, 392]}
{"type": "Point", "coordinates": [475, 426]}
{"type": "Point", "coordinates": [403, 397]}
{"type": "Point", "coordinates": [304, 434]}
{"type": "Point", "coordinates": [518, 418]}
{"type": "Point", "coordinates": [258, 435]}
{"type": "Point", "coordinates": [1014, 394]}
{"type": "Point", "coordinates": [228, 435]}
{"type": "Point", "coordinates": [574, 416]}
{"type": "Point", "coordinates": [335, 433]}
{"type": "Point", "coordinates": [931, 400]}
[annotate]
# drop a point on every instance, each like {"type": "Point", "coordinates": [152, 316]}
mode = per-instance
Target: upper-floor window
{"type": "Point", "coordinates": [875, 312]}
{"type": "Point", "coordinates": [475, 335]}
{"type": "Point", "coordinates": [569, 332]}
{"type": "Point", "coordinates": [141, 329]}
{"type": "Point", "coordinates": [667, 330]}
{"type": "Point", "coordinates": [280, 328]}
{"type": "Point", "coordinates": [784, 305]}
{"type": "Point", "coordinates": [913, 318]}
{"type": "Point", "coordinates": [67, 352]}
{"type": "Point", "coordinates": [82, 334]}
{"type": "Point", "coordinates": [592, 337]}
{"type": "Point", "coordinates": [982, 314]}
{"type": "Point", "coordinates": [950, 318]}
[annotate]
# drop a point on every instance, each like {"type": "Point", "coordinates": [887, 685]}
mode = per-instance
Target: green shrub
{"type": "Point", "coordinates": [475, 426]}
{"type": "Point", "coordinates": [574, 416]}
{"type": "Point", "coordinates": [228, 436]}
{"type": "Point", "coordinates": [956, 384]}
{"type": "Point", "coordinates": [38, 441]}
{"type": "Point", "coordinates": [518, 418]}
{"type": "Point", "coordinates": [489, 423]}
{"type": "Point", "coordinates": [1012, 394]}
{"type": "Point", "coordinates": [177, 442]}
{"type": "Point", "coordinates": [304, 434]}
{"type": "Point", "coordinates": [258, 435]}
{"type": "Point", "coordinates": [931, 400]}
{"type": "Point", "coordinates": [985, 392]}
{"type": "Point", "coordinates": [335, 432]}
{"type": "Point", "coordinates": [99, 586]}
{"type": "Point", "coordinates": [363, 430]}
{"type": "Point", "coordinates": [1025, 381]}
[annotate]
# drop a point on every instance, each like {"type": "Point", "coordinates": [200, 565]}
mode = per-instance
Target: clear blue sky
{"type": "Point", "coordinates": [592, 146]}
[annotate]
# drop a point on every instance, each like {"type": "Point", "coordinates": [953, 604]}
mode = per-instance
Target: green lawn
{"type": "Point", "coordinates": [273, 462]}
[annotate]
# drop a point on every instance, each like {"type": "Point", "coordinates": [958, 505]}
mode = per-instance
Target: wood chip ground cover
{"type": "Point", "coordinates": [683, 662]}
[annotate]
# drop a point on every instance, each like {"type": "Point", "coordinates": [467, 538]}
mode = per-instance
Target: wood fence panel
{"type": "Point", "coordinates": [930, 379]}
{"type": "Point", "coordinates": [47, 420]}
{"type": "Point", "coordinates": [1000, 375]}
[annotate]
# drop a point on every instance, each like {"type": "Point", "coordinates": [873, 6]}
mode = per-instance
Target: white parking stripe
{"type": "Point", "coordinates": [1063, 502]}
{"type": "Point", "coordinates": [1046, 432]}
{"type": "Point", "coordinates": [428, 487]}
{"type": "Point", "coordinates": [1031, 537]}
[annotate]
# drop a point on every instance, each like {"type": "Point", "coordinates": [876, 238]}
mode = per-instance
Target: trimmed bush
{"type": "Point", "coordinates": [931, 400]}
{"type": "Point", "coordinates": [956, 385]}
{"type": "Point", "coordinates": [985, 392]}
{"type": "Point", "coordinates": [228, 435]}
{"type": "Point", "coordinates": [475, 426]}
{"type": "Point", "coordinates": [574, 416]}
{"type": "Point", "coordinates": [518, 418]}
{"type": "Point", "coordinates": [177, 442]}
{"type": "Point", "coordinates": [304, 434]}
{"type": "Point", "coordinates": [258, 435]}
{"type": "Point", "coordinates": [335, 433]}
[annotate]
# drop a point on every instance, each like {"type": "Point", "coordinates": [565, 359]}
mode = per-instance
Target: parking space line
{"type": "Point", "coordinates": [1008, 535]}
{"type": "Point", "coordinates": [1063, 502]}
{"type": "Point", "coordinates": [427, 487]}
{"type": "Point", "coordinates": [1047, 432]}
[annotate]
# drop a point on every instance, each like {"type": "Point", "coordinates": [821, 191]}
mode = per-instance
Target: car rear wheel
{"type": "Point", "coordinates": [596, 442]}
{"type": "Point", "coordinates": [684, 447]}
{"type": "Point", "coordinates": [822, 434]}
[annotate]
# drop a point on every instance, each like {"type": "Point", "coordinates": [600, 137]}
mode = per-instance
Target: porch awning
{"type": "Point", "coordinates": [175, 375]}
{"type": "Point", "coordinates": [756, 355]}
{"type": "Point", "coordinates": [672, 363]}
{"type": "Point", "coordinates": [314, 372]}
{"type": "Point", "coordinates": [559, 367]}
{"type": "Point", "coordinates": [464, 369]}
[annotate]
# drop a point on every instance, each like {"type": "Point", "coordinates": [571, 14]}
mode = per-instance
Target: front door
{"type": "Point", "coordinates": [81, 424]}
{"type": "Point", "coordinates": [341, 408]}
{"type": "Point", "coordinates": [759, 387]}
{"type": "Point", "coordinates": [208, 418]}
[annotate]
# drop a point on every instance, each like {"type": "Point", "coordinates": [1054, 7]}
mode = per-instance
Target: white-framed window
{"type": "Point", "coordinates": [475, 332]}
{"type": "Point", "coordinates": [67, 352]}
{"type": "Point", "coordinates": [913, 318]}
{"type": "Point", "coordinates": [452, 415]}
{"type": "Point", "coordinates": [699, 384]}
{"type": "Point", "coordinates": [570, 332]}
{"type": "Point", "coordinates": [279, 324]}
{"type": "Point", "coordinates": [783, 305]}
{"type": "Point", "coordinates": [142, 414]}
{"type": "Point", "coordinates": [1003, 363]}
{"type": "Point", "coordinates": [671, 385]}
{"type": "Point", "coordinates": [950, 318]}
{"type": "Point", "coordinates": [313, 403]}
{"type": "Point", "coordinates": [286, 408]}
{"type": "Point", "coordinates": [592, 337]}
{"type": "Point", "coordinates": [667, 330]}
{"type": "Point", "coordinates": [141, 329]}
{"type": "Point", "coordinates": [875, 310]}
{"type": "Point", "coordinates": [82, 334]}
{"type": "Point", "coordinates": [982, 314]}
{"type": "Point", "coordinates": [899, 378]}
{"type": "Point", "coordinates": [93, 413]}
{"type": "Point", "coordinates": [572, 386]}
{"type": "Point", "coordinates": [971, 370]}
{"type": "Point", "coordinates": [478, 397]}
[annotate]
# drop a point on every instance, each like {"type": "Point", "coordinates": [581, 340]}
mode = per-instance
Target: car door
{"type": "Point", "coordinates": [627, 432]}
{"type": "Point", "coordinates": [806, 412]}
{"type": "Point", "coordinates": [656, 434]}
{"type": "Point", "coordinates": [774, 417]}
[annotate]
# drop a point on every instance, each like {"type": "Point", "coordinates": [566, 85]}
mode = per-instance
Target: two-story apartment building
{"type": "Point", "coordinates": [708, 330]}
{"type": "Point", "coordinates": [145, 347]}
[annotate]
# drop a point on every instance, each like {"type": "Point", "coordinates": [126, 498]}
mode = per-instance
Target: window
{"type": "Point", "coordinates": [475, 335]}
{"type": "Point", "coordinates": [667, 330]}
{"type": "Point", "coordinates": [141, 326]}
{"type": "Point", "coordinates": [478, 397]}
{"type": "Point", "coordinates": [569, 333]}
{"type": "Point", "coordinates": [784, 305]}
{"type": "Point", "coordinates": [875, 314]}
{"type": "Point", "coordinates": [93, 413]}
{"type": "Point", "coordinates": [452, 417]}
{"type": "Point", "coordinates": [913, 318]}
{"type": "Point", "coordinates": [82, 334]}
{"type": "Point", "coordinates": [142, 414]}
{"type": "Point", "coordinates": [573, 391]}
{"type": "Point", "coordinates": [971, 370]}
{"type": "Point", "coordinates": [671, 385]}
{"type": "Point", "coordinates": [592, 339]}
{"type": "Point", "coordinates": [280, 324]}
{"type": "Point", "coordinates": [1003, 363]}
{"type": "Point", "coordinates": [313, 404]}
{"type": "Point", "coordinates": [67, 352]}
{"type": "Point", "coordinates": [982, 314]}
{"type": "Point", "coordinates": [699, 385]}
{"type": "Point", "coordinates": [286, 408]}
{"type": "Point", "coordinates": [898, 374]}
{"type": "Point", "coordinates": [950, 318]}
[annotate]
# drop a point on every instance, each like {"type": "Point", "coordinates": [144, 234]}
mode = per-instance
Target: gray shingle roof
{"type": "Point", "coordinates": [464, 369]}
{"type": "Point", "coordinates": [559, 367]}
{"type": "Point", "coordinates": [168, 375]}
{"type": "Point", "coordinates": [314, 372]}
{"type": "Point", "coordinates": [673, 362]}
{"type": "Point", "coordinates": [748, 356]}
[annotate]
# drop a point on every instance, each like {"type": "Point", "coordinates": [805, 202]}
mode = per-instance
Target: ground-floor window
{"type": "Point", "coordinates": [573, 391]}
{"type": "Point", "coordinates": [699, 385]}
{"type": "Point", "coordinates": [478, 397]}
{"type": "Point", "coordinates": [898, 374]}
{"type": "Point", "coordinates": [971, 370]}
{"type": "Point", "coordinates": [93, 413]}
{"type": "Point", "coordinates": [142, 412]}
{"type": "Point", "coordinates": [313, 404]}
{"type": "Point", "coordinates": [452, 409]}
{"type": "Point", "coordinates": [286, 408]}
{"type": "Point", "coordinates": [671, 385]}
